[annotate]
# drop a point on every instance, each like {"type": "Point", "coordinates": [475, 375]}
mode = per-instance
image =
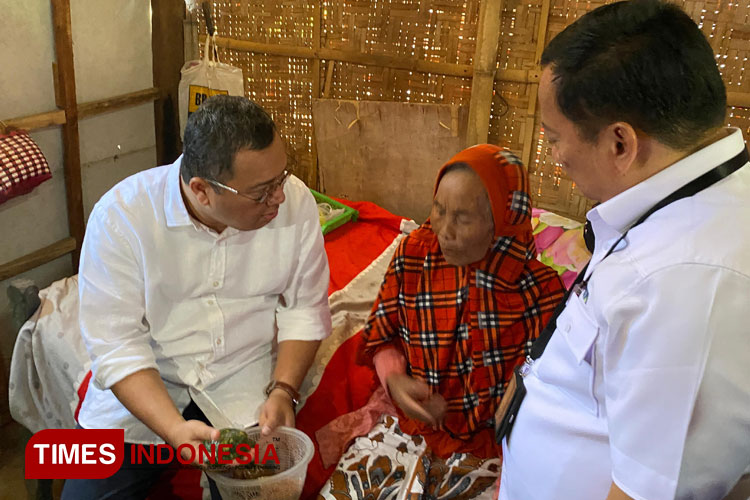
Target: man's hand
{"type": "Point", "coordinates": [414, 399]}
{"type": "Point", "coordinates": [276, 411]}
{"type": "Point", "coordinates": [193, 433]}
{"type": "Point", "coordinates": [144, 394]}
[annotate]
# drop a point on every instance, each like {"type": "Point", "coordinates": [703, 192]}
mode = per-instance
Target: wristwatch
{"type": "Point", "coordinates": [275, 384]}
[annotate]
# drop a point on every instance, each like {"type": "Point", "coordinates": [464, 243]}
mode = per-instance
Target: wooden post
{"type": "Point", "coordinates": [528, 136]}
{"type": "Point", "coordinates": [738, 99]}
{"type": "Point", "coordinates": [71, 146]}
{"type": "Point", "coordinates": [329, 79]}
{"type": "Point", "coordinates": [313, 180]}
{"type": "Point", "coordinates": [485, 65]}
{"type": "Point", "coordinates": [167, 44]}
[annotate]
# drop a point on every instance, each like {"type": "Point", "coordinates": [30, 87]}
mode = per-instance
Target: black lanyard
{"type": "Point", "coordinates": [695, 186]}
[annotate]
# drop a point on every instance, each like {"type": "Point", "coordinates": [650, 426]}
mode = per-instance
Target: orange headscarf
{"type": "Point", "coordinates": [507, 185]}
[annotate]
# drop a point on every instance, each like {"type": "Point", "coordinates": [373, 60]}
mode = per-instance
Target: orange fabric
{"type": "Point", "coordinates": [464, 329]}
{"type": "Point", "coordinates": [504, 177]}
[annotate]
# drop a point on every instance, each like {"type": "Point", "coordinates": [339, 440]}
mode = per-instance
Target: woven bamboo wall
{"type": "Point", "coordinates": [400, 30]}
{"type": "Point", "coordinates": [282, 85]}
{"type": "Point", "coordinates": [370, 50]}
{"type": "Point", "coordinates": [725, 23]}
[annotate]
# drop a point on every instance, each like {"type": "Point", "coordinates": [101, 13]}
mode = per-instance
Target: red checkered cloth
{"type": "Point", "coordinates": [22, 165]}
{"type": "Point", "coordinates": [464, 329]}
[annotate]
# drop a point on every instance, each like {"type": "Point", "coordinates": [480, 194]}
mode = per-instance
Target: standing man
{"type": "Point", "coordinates": [643, 390]}
{"type": "Point", "coordinates": [203, 284]}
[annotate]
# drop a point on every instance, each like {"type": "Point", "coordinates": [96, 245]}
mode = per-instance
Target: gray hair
{"type": "Point", "coordinates": [222, 126]}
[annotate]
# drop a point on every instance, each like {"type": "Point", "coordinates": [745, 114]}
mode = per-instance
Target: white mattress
{"type": "Point", "coordinates": [49, 361]}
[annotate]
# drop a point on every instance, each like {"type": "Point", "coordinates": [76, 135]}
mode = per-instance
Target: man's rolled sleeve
{"type": "Point", "coordinates": [112, 303]}
{"type": "Point", "coordinates": [305, 314]}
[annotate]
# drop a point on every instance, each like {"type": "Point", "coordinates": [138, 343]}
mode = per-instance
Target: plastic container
{"type": "Point", "coordinates": [349, 213]}
{"type": "Point", "coordinates": [294, 449]}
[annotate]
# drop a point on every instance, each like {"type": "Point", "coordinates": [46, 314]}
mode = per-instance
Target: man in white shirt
{"type": "Point", "coordinates": [643, 390]}
{"type": "Point", "coordinates": [203, 285]}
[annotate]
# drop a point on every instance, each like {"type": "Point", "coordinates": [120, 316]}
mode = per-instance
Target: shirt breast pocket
{"type": "Point", "coordinates": [267, 258]}
{"type": "Point", "coordinates": [569, 361]}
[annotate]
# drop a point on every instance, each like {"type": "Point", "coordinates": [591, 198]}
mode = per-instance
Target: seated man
{"type": "Point", "coordinates": [462, 300]}
{"type": "Point", "coordinates": [189, 275]}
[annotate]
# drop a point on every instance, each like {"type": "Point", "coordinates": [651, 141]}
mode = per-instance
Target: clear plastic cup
{"type": "Point", "coordinates": [294, 449]}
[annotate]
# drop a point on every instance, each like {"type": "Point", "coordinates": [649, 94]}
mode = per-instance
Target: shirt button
{"type": "Point", "coordinates": [216, 284]}
{"type": "Point", "coordinates": [210, 302]}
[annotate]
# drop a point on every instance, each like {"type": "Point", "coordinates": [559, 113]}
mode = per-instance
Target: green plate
{"type": "Point", "coordinates": [349, 213]}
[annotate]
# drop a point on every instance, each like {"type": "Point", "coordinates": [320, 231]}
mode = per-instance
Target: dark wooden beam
{"type": "Point", "coordinates": [66, 81]}
{"type": "Point", "coordinates": [37, 258]}
{"type": "Point", "coordinates": [313, 176]}
{"type": "Point", "coordinates": [485, 65]}
{"type": "Point", "coordinates": [117, 102]}
{"type": "Point", "coordinates": [37, 121]}
{"type": "Point", "coordinates": [167, 43]}
{"type": "Point", "coordinates": [86, 109]}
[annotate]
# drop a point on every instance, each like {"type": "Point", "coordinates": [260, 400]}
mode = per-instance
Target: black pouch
{"type": "Point", "coordinates": [506, 413]}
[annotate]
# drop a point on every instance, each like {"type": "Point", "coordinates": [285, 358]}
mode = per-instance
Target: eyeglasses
{"type": "Point", "coordinates": [262, 193]}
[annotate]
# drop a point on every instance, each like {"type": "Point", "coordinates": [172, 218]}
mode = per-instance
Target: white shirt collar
{"type": "Point", "coordinates": [174, 206]}
{"type": "Point", "coordinates": [620, 212]}
{"type": "Point", "coordinates": [175, 210]}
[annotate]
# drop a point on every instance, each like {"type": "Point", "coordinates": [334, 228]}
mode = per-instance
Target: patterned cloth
{"type": "Point", "coordinates": [22, 165]}
{"type": "Point", "coordinates": [391, 465]}
{"type": "Point", "coordinates": [560, 244]}
{"type": "Point", "coordinates": [464, 329]}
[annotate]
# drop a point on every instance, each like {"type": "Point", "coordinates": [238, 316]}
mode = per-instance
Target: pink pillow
{"type": "Point", "coordinates": [560, 244]}
{"type": "Point", "coordinates": [22, 165]}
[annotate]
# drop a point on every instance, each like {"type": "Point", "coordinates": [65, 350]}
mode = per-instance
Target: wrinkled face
{"type": "Point", "coordinates": [461, 218]}
{"type": "Point", "coordinates": [584, 162]}
{"type": "Point", "coordinates": [253, 173]}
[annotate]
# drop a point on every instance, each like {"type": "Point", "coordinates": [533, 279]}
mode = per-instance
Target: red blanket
{"type": "Point", "coordinates": [353, 246]}
{"type": "Point", "coordinates": [345, 386]}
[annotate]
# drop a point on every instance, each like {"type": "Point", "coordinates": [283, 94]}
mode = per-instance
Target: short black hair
{"type": "Point", "coordinates": [217, 130]}
{"type": "Point", "coordinates": [644, 62]}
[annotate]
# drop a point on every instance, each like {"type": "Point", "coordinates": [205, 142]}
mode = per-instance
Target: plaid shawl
{"type": "Point", "coordinates": [464, 329]}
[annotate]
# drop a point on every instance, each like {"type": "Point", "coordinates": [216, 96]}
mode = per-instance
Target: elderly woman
{"type": "Point", "coordinates": [462, 300]}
